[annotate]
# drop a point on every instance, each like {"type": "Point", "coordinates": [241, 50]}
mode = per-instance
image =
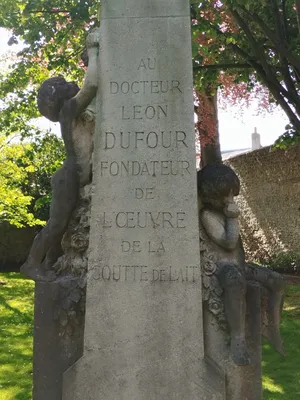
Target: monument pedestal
{"type": "Point", "coordinates": [54, 354]}
{"type": "Point", "coordinates": [54, 349]}
{"type": "Point", "coordinates": [143, 325]}
{"type": "Point", "coordinates": [242, 382]}
{"type": "Point", "coordinates": [146, 335]}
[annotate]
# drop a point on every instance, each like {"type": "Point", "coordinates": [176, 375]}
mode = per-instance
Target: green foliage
{"type": "Point", "coordinates": [53, 34]}
{"type": "Point", "coordinates": [289, 137]}
{"type": "Point", "coordinates": [25, 173]}
{"type": "Point", "coordinates": [253, 42]}
{"type": "Point", "coordinates": [44, 156]}
{"type": "Point", "coordinates": [244, 37]}
{"type": "Point", "coordinates": [284, 262]}
{"type": "Point", "coordinates": [14, 203]}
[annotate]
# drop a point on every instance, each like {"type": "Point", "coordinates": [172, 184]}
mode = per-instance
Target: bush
{"type": "Point", "coordinates": [285, 262]}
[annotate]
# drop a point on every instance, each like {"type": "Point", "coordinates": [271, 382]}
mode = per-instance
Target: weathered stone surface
{"type": "Point", "coordinates": [60, 307]}
{"type": "Point", "coordinates": [241, 382]}
{"type": "Point", "coordinates": [242, 301]}
{"type": "Point", "coordinates": [153, 8]}
{"type": "Point", "coordinates": [76, 240]}
{"type": "Point", "coordinates": [58, 338]}
{"type": "Point", "coordinates": [143, 326]}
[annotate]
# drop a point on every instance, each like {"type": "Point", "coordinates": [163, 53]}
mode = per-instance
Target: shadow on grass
{"type": "Point", "coordinates": [16, 330]}
{"type": "Point", "coordinates": [281, 375]}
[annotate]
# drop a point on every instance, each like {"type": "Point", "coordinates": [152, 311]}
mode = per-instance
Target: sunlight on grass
{"type": "Point", "coordinates": [16, 329]}
{"type": "Point", "coordinates": [281, 375]}
{"type": "Point", "coordinates": [271, 386]}
{"type": "Point", "coordinates": [290, 308]}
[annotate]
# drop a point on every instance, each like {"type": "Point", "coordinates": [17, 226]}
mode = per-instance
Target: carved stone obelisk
{"type": "Point", "coordinates": [143, 326]}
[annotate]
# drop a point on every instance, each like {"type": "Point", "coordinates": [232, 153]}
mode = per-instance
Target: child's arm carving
{"type": "Point", "coordinates": [89, 88]}
{"type": "Point", "coordinates": [225, 236]}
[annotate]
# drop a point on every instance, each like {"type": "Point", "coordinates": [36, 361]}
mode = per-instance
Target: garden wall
{"type": "Point", "coordinates": [14, 246]}
{"type": "Point", "coordinates": [269, 200]}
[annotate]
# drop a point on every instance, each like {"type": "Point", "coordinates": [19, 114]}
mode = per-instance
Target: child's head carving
{"type": "Point", "coordinates": [52, 94]}
{"type": "Point", "coordinates": [217, 181]}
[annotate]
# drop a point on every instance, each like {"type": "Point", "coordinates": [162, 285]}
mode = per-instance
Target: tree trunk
{"type": "Point", "coordinates": [208, 127]}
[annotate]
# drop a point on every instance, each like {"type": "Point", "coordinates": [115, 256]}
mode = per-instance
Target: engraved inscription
{"type": "Point", "coordinates": [146, 194]}
{"type": "Point", "coordinates": [144, 87]}
{"type": "Point", "coordinates": [147, 63]}
{"type": "Point", "coordinates": [156, 248]}
{"type": "Point", "coordinates": [144, 273]}
{"type": "Point", "coordinates": [148, 140]}
{"type": "Point", "coordinates": [144, 140]}
{"type": "Point", "coordinates": [147, 219]}
{"type": "Point", "coordinates": [135, 246]}
{"type": "Point", "coordinates": [148, 112]}
{"type": "Point", "coordinates": [128, 247]}
{"type": "Point", "coordinates": [150, 168]}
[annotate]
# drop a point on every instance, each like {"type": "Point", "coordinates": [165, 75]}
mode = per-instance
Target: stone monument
{"type": "Point", "coordinates": [127, 312]}
{"type": "Point", "coordinates": [143, 323]}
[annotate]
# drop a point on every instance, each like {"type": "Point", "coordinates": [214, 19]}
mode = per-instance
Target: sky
{"type": "Point", "coordinates": [235, 130]}
{"type": "Point", "coordinates": [235, 124]}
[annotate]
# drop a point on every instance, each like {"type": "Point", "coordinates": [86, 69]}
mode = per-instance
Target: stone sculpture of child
{"type": "Point", "coordinates": [62, 101]}
{"type": "Point", "coordinates": [217, 186]}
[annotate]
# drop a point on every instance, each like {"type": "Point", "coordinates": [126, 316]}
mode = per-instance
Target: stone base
{"type": "Point", "coordinates": [54, 349]}
{"type": "Point", "coordinates": [242, 383]}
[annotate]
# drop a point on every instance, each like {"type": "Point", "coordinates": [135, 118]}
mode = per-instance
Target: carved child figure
{"type": "Point", "coordinates": [62, 101]}
{"type": "Point", "coordinates": [217, 186]}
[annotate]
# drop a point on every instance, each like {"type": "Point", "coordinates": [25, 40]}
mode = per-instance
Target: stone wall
{"type": "Point", "coordinates": [269, 200]}
{"type": "Point", "coordinates": [14, 246]}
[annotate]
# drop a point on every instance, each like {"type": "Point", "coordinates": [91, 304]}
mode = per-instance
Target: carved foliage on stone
{"type": "Point", "coordinates": [71, 268]}
{"type": "Point", "coordinates": [211, 289]}
{"type": "Point", "coordinates": [76, 239]}
{"type": "Point", "coordinates": [68, 305]}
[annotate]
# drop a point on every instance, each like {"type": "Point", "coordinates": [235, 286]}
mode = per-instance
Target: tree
{"type": "Point", "coordinates": [54, 36]}
{"type": "Point", "coordinates": [13, 202]}
{"type": "Point", "coordinates": [25, 173]}
{"type": "Point", "coordinates": [226, 35]}
{"type": "Point", "coordinates": [235, 42]}
{"type": "Point", "coordinates": [254, 42]}
{"type": "Point", "coordinates": [207, 125]}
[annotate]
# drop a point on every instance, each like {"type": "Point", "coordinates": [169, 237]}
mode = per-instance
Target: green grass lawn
{"type": "Point", "coordinates": [281, 376]}
{"type": "Point", "coordinates": [16, 329]}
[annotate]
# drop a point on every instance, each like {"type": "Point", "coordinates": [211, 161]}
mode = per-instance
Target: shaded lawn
{"type": "Point", "coordinates": [281, 376]}
{"type": "Point", "coordinates": [16, 329]}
